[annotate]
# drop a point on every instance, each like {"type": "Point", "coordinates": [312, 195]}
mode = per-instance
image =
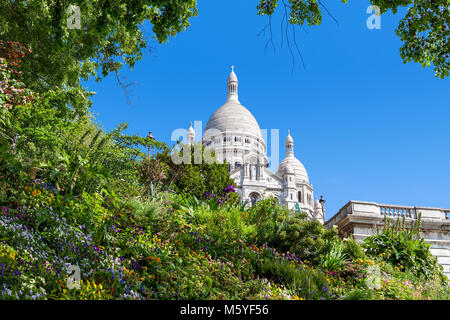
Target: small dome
{"type": "Point", "coordinates": [295, 165]}
{"type": "Point", "coordinates": [317, 204]}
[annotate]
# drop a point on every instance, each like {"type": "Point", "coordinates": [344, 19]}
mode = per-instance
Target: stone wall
{"type": "Point", "coordinates": [362, 219]}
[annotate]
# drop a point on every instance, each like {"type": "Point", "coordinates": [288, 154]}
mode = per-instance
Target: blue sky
{"type": "Point", "coordinates": [366, 126]}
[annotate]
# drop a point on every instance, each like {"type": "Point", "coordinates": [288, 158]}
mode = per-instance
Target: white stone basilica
{"type": "Point", "coordinates": [234, 135]}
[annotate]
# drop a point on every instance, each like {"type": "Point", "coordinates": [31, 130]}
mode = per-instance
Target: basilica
{"type": "Point", "coordinates": [234, 135]}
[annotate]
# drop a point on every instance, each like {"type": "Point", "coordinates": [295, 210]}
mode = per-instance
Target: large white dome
{"type": "Point", "coordinates": [233, 117]}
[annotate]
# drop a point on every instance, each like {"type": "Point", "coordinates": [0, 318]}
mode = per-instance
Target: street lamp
{"type": "Point", "coordinates": [322, 202]}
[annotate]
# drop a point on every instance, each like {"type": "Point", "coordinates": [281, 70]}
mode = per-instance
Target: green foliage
{"type": "Point", "coordinates": [308, 284]}
{"type": "Point", "coordinates": [303, 236]}
{"type": "Point", "coordinates": [194, 175]}
{"type": "Point", "coordinates": [110, 35]}
{"type": "Point", "coordinates": [335, 257]}
{"type": "Point", "coordinates": [361, 294]}
{"type": "Point", "coordinates": [404, 248]}
{"type": "Point", "coordinates": [424, 30]}
{"type": "Point", "coordinates": [353, 250]}
{"type": "Point", "coordinates": [264, 215]}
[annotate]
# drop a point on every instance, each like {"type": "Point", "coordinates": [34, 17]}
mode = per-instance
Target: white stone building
{"type": "Point", "coordinates": [234, 135]}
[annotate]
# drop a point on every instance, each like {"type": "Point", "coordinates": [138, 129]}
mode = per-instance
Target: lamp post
{"type": "Point", "coordinates": [322, 202]}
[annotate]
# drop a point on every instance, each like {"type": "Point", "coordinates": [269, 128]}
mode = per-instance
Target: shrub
{"type": "Point", "coordinates": [193, 178]}
{"type": "Point", "coordinates": [352, 249]}
{"type": "Point", "coordinates": [335, 258]}
{"type": "Point", "coordinates": [404, 249]}
{"type": "Point", "coordinates": [308, 284]}
{"type": "Point", "coordinates": [362, 294]}
{"type": "Point", "coordinates": [265, 215]}
{"type": "Point", "coordinates": [303, 236]}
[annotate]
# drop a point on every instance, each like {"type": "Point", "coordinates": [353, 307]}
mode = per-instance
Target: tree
{"type": "Point", "coordinates": [110, 35]}
{"type": "Point", "coordinates": [193, 178]}
{"type": "Point", "coordinates": [51, 136]}
{"type": "Point", "coordinates": [424, 30]}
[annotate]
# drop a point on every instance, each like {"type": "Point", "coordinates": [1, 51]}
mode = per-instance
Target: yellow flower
{"type": "Point", "coordinates": [297, 297]}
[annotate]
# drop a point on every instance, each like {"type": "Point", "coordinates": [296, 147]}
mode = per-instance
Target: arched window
{"type": "Point", "coordinates": [254, 197]}
{"type": "Point", "coordinates": [237, 164]}
{"type": "Point", "coordinates": [300, 197]}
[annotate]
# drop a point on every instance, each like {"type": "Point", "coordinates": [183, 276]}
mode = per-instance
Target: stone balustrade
{"type": "Point", "coordinates": [399, 212]}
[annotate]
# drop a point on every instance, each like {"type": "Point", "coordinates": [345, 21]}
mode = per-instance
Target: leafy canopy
{"type": "Point", "coordinates": [110, 35]}
{"type": "Point", "coordinates": [424, 30]}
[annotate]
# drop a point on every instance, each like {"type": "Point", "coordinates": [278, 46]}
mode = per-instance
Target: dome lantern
{"type": "Point", "coordinates": [289, 144]}
{"type": "Point", "coordinates": [190, 135]}
{"type": "Point", "coordinates": [232, 85]}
